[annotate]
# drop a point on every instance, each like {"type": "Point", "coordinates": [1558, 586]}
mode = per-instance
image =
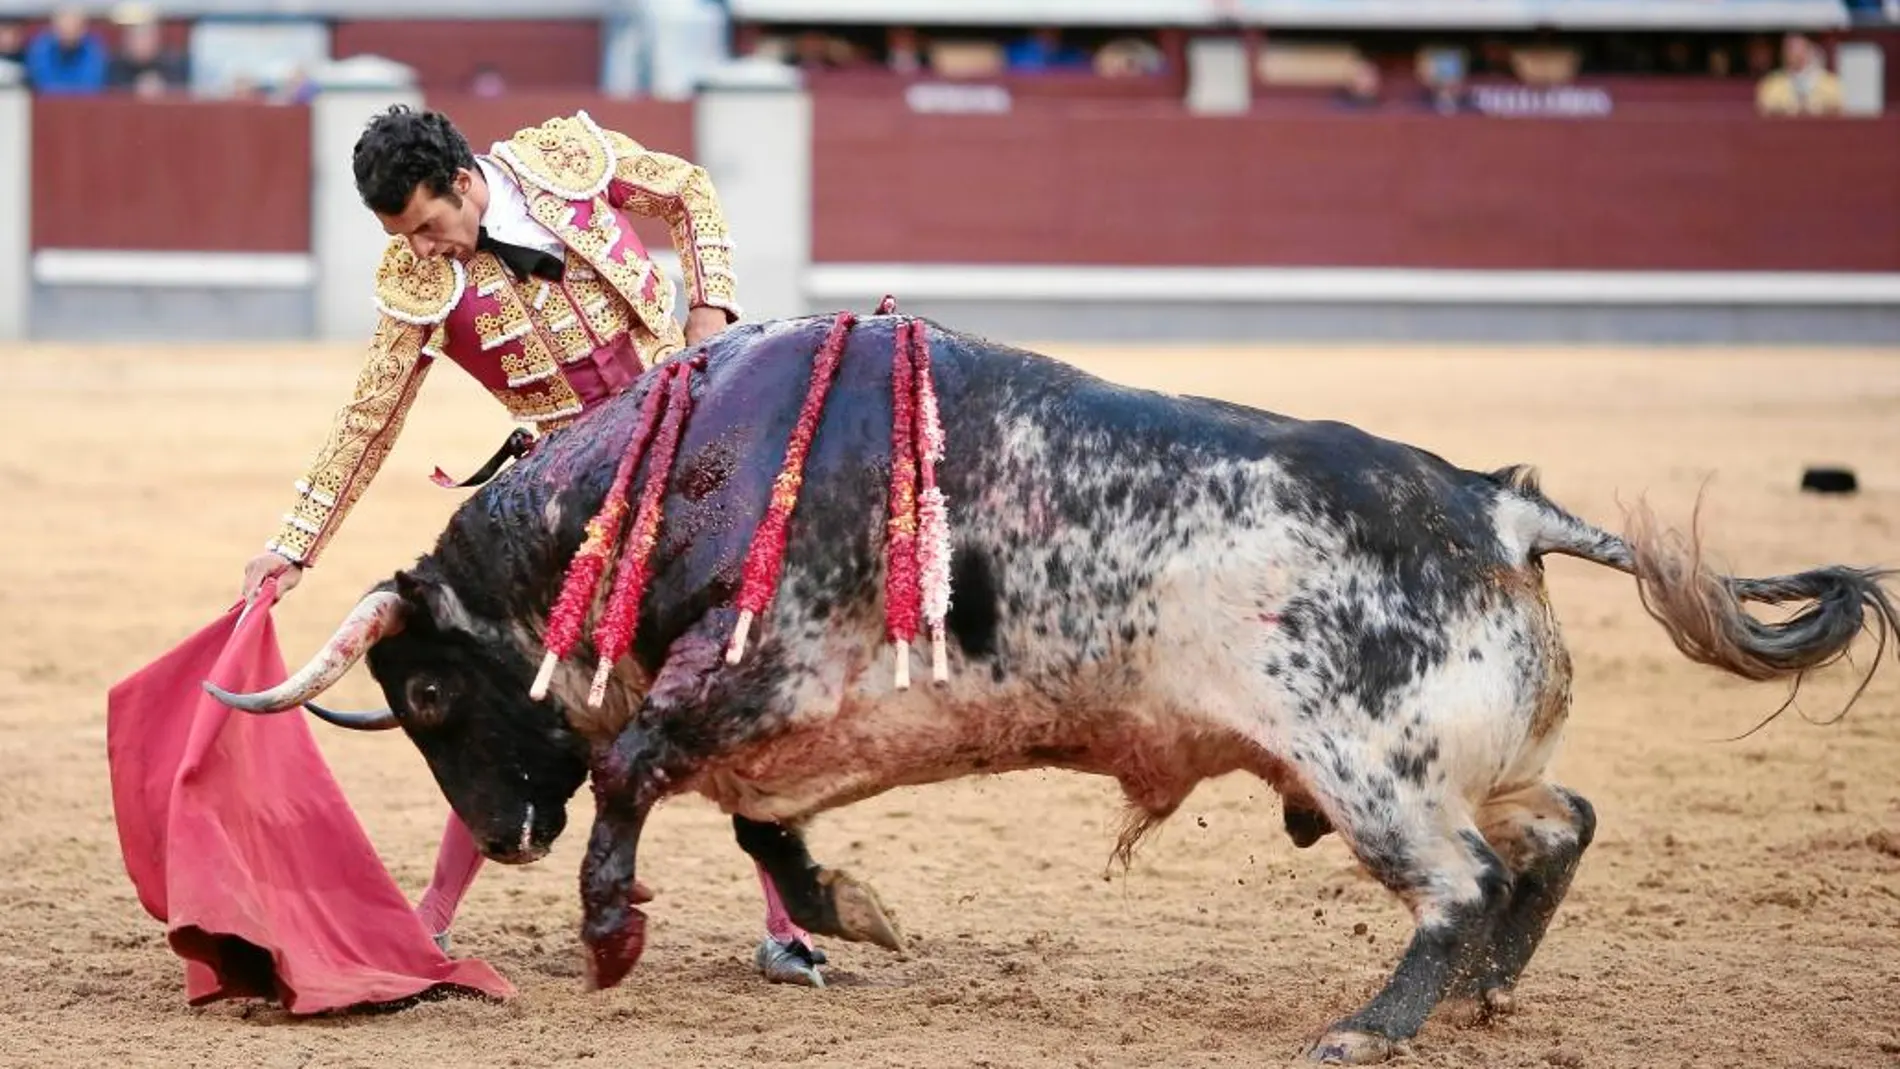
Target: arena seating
{"type": "Point", "coordinates": [663, 47]}
{"type": "Point", "coordinates": [1319, 152]}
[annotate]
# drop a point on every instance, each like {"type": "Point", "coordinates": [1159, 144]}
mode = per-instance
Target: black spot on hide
{"type": "Point", "coordinates": [1412, 765]}
{"type": "Point", "coordinates": [974, 604]}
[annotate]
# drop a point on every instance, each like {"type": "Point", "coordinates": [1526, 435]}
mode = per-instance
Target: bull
{"type": "Point", "coordinates": [1156, 588]}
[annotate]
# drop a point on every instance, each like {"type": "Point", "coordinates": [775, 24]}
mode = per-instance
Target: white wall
{"type": "Point", "coordinates": [16, 211]}
{"type": "Point", "coordinates": [755, 142]}
{"type": "Point", "coordinates": [345, 240]}
{"type": "Point", "coordinates": [1862, 66]}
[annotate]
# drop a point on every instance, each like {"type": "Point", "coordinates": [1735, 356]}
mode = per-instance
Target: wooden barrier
{"type": "Point", "coordinates": [1094, 183]}
{"type": "Point", "coordinates": [1105, 183]}
{"type": "Point", "coordinates": [117, 172]}
{"type": "Point", "coordinates": [529, 54]}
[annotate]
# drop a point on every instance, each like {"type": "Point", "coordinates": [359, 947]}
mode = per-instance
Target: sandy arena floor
{"type": "Point", "coordinates": [1741, 906]}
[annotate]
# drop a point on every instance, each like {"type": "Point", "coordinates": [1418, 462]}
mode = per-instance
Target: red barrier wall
{"type": "Point", "coordinates": [123, 173]}
{"type": "Point", "coordinates": [529, 53]}
{"type": "Point", "coordinates": [1111, 183]}
{"type": "Point", "coordinates": [1103, 182]}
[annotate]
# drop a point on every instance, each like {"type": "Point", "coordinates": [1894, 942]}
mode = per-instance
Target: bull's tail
{"type": "Point", "coordinates": [1702, 611]}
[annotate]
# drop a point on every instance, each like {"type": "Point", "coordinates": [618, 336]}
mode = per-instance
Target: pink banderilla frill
{"type": "Point", "coordinates": [901, 605]}
{"type": "Point", "coordinates": [569, 614]}
{"type": "Point", "coordinates": [933, 518]}
{"type": "Point", "coordinates": [766, 557]}
{"type": "Point", "coordinates": [621, 619]}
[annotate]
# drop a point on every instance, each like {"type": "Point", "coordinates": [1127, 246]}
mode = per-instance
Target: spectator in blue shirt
{"type": "Point", "coordinates": [1866, 10]}
{"type": "Point", "coordinates": [67, 57]}
{"type": "Point", "coordinates": [1044, 50]}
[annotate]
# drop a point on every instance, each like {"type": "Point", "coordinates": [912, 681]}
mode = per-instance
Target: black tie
{"type": "Point", "coordinates": [521, 260]}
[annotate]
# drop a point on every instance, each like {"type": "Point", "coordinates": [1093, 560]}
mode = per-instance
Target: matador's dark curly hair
{"type": "Point", "coordinates": [402, 149]}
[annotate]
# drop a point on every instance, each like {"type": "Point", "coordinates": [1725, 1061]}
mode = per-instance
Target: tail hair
{"type": "Point", "coordinates": [1137, 822]}
{"type": "Point", "coordinates": [1703, 613]}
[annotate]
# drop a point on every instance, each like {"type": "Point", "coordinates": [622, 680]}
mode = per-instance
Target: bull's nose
{"type": "Point", "coordinates": [514, 853]}
{"type": "Point", "coordinates": [524, 845]}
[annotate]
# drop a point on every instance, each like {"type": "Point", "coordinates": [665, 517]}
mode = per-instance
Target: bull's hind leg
{"type": "Point", "coordinates": [1442, 867]}
{"type": "Point", "coordinates": [1541, 833]}
{"type": "Point", "coordinates": [808, 897]}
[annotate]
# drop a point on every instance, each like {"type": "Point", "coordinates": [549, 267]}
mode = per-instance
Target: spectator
{"type": "Point", "coordinates": [904, 53]}
{"type": "Point", "coordinates": [1761, 56]}
{"type": "Point", "coordinates": [298, 88]}
{"type": "Point", "coordinates": [67, 57]}
{"type": "Point", "coordinates": [1495, 58]}
{"type": "Point", "coordinates": [1043, 50]}
{"type": "Point", "coordinates": [12, 45]}
{"type": "Point", "coordinates": [1803, 85]}
{"type": "Point", "coordinates": [1442, 80]}
{"type": "Point", "coordinates": [1129, 57]}
{"type": "Point", "coordinates": [243, 85]}
{"type": "Point", "coordinates": [1679, 57]}
{"type": "Point", "coordinates": [816, 50]}
{"type": "Point", "coordinates": [1361, 91]}
{"type": "Point", "coordinates": [143, 65]}
{"type": "Point", "coordinates": [1872, 11]}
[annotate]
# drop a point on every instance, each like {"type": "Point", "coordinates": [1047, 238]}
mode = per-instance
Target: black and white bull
{"type": "Point", "coordinates": [1156, 588]}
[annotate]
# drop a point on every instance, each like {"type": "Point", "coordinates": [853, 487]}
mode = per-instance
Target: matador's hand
{"type": "Point", "coordinates": [703, 323]}
{"type": "Point", "coordinates": [265, 566]}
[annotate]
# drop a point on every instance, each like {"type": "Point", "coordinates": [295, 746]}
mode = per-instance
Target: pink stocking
{"type": "Point", "coordinates": [778, 923]}
{"type": "Point", "coordinates": [456, 863]}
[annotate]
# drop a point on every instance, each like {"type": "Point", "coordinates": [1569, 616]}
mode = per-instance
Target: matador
{"type": "Point", "coordinates": [522, 267]}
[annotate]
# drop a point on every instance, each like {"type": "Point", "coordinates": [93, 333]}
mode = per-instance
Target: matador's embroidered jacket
{"type": "Point", "coordinates": [547, 350]}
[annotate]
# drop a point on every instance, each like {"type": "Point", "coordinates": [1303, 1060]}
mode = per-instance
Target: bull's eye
{"type": "Point", "coordinates": [426, 706]}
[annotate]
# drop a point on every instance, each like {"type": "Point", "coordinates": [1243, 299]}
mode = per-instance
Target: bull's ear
{"type": "Point", "coordinates": [434, 601]}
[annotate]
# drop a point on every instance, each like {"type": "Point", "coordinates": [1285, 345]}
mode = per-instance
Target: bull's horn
{"type": "Point", "coordinates": [371, 720]}
{"type": "Point", "coordinates": [379, 614]}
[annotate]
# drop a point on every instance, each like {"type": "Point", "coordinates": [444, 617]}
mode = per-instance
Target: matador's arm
{"type": "Point", "coordinates": [359, 440]}
{"type": "Point", "coordinates": [664, 186]}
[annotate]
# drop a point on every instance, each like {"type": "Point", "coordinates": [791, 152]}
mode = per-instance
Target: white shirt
{"type": "Point", "coordinates": [506, 216]}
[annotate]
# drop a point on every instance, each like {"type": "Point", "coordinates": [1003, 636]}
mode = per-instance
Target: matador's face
{"type": "Point", "coordinates": [441, 224]}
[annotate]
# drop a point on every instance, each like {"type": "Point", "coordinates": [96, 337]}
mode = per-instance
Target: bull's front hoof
{"type": "Point", "coordinates": [789, 963]}
{"type": "Point", "coordinates": [1490, 1003]}
{"type": "Point", "coordinates": [1353, 1048]}
{"type": "Point", "coordinates": [861, 916]}
{"type": "Point", "coordinates": [610, 957]}
{"type": "Point", "coordinates": [1496, 1002]}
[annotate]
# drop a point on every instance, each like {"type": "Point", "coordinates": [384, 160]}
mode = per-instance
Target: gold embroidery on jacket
{"type": "Point", "coordinates": [418, 292]}
{"type": "Point", "coordinates": [663, 186]}
{"type": "Point", "coordinates": [568, 156]}
{"type": "Point", "coordinates": [536, 390]}
{"type": "Point", "coordinates": [359, 441]}
{"type": "Point", "coordinates": [620, 267]}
